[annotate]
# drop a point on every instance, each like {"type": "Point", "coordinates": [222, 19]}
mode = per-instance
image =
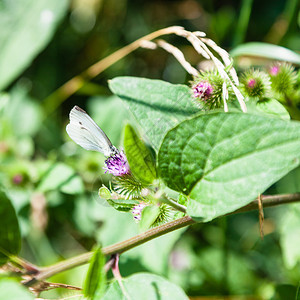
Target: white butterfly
{"type": "Point", "coordinates": [83, 130]}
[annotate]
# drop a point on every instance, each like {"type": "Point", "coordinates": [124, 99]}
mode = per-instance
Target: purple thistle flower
{"type": "Point", "coordinates": [137, 211]}
{"type": "Point", "coordinates": [117, 164]}
{"type": "Point", "coordinates": [251, 83]}
{"type": "Point", "coordinates": [202, 90]}
{"type": "Point", "coordinates": [274, 70]}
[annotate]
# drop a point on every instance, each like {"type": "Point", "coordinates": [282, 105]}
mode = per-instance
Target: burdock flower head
{"type": "Point", "coordinates": [274, 70]}
{"type": "Point", "coordinates": [117, 164]}
{"type": "Point", "coordinates": [202, 90]}
{"type": "Point", "coordinates": [256, 84]}
{"type": "Point", "coordinates": [207, 90]}
{"type": "Point", "coordinates": [283, 78]}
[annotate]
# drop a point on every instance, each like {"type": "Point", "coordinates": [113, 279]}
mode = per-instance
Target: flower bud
{"type": "Point", "coordinates": [207, 90]}
{"type": "Point", "coordinates": [256, 84]}
{"type": "Point", "coordinates": [283, 77]}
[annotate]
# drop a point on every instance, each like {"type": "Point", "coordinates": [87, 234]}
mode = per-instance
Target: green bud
{"type": "Point", "coordinates": [104, 193]}
{"type": "Point", "coordinates": [207, 90]}
{"type": "Point", "coordinates": [283, 78]}
{"type": "Point", "coordinates": [256, 84]}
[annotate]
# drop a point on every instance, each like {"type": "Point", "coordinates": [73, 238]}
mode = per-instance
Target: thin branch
{"type": "Point", "coordinates": [115, 248]}
{"type": "Point", "coordinates": [174, 204]}
{"type": "Point", "coordinates": [268, 201]}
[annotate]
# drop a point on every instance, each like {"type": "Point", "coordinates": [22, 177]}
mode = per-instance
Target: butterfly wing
{"type": "Point", "coordinates": [85, 132]}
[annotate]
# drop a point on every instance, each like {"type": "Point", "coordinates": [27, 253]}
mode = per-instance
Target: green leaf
{"type": "Point", "coordinates": [95, 281]}
{"type": "Point", "coordinates": [10, 237]}
{"type": "Point", "coordinates": [139, 157]}
{"type": "Point", "coordinates": [274, 108]}
{"type": "Point", "coordinates": [157, 105]}
{"type": "Point", "coordinates": [124, 205]}
{"type": "Point", "coordinates": [149, 215]}
{"type": "Point", "coordinates": [26, 28]}
{"type": "Point", "coordinates": [182, 199]}
{"type": "Point", "coordinates": [265, 50]}
{"type": "Point", "coordinates": [268, 107]}
{"type": "Point", "coordinates": [224, 160]}
{"type": "Point", "coordinates": [61, 177]}
{"type": "Point", "coordinates": [12, 290]}
{"type": "Point", "coordinates": [147, 287]}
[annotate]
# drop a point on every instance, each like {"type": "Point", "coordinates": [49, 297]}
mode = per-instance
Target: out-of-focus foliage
{"type": "Point", "coordinates": [53, 184]}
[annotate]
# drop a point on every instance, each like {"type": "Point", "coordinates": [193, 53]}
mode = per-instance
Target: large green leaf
{"type": "Point", "coordinates": [224, 160]}
{"type": "Point", "coordinates": [265, 50]}
{"type": "Point", "coordinates": [10, 237]}
{"type": "Point", "coordinates": [139, 157]}
{"type": "Point", "coordinates": [12, 290]}
{"type": "Point", "coordinates": [147, 287]}
{"type": "Point", "coordinates": [268, 107]}
{"type": "Point", "coordinates": [96, 278]}
{"type": "Point", "coordinates": [157, 105]}
{"type": "Point", "coordinates": [26, 27]}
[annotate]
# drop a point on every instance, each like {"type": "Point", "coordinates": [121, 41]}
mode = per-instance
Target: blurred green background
{"type": "Point", "coordinates": [53, 183]}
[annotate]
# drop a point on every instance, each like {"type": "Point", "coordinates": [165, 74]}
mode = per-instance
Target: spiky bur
{"type": "Point", "coordinates": [283, 78]}
{"type": "Point", "coordinates": [207, 90]}
{"type": "Point", "coordinates": [165, 215]}
{"type": "Point", "coordinates": [256, 84]}
{"type": "Point", "coordinates": [128, 186]}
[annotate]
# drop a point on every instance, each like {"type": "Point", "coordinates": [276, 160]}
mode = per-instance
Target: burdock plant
{"type": "Point", "coordinates": [256, 84]}
{"type": "Point", "coordinates": [207, 90]}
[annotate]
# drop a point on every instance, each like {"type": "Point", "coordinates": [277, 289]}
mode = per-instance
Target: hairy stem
{"type": "Point", "coordinates": [267, 201]}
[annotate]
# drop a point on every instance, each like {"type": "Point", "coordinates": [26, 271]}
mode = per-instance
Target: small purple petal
{"type": "Point", "coordinates": [202, 90]}
{"type": "Point", "coordinates": [251, 83]}
{"type": "Point", "coordinates": [274, 70]}
{"type": "Point", "coordinates": [137, 211]}
{"type": "Point", "coordinates": [117, 164]}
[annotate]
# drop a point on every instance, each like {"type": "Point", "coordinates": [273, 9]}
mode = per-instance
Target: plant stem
{"type": "Point", "coordinates": [115, 248]}
{"type": "Point", "coordinates": [267, 201]}
{"type": "Point", "coordinates": [174, 204]}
